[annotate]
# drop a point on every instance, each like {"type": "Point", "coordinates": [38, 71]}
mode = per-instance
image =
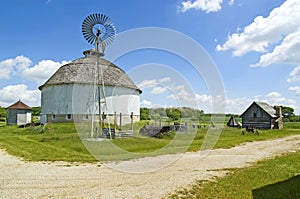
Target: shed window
{"type": "Point", "coordinates": [254, 115]}
{"type": "Point", "coordinates": [69, 117]}
{"type": "Point", "coordinates": [53, 117]}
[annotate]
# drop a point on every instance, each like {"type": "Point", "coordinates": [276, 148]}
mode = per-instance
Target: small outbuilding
{"type": "Point", "coordinates": [261, 115]}
{"type": "Point", "coordinates": [18, 114]}
{"type": "Point", "coordinates": [232, 122]}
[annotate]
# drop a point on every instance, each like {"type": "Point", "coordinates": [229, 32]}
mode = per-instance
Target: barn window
{"type": "Point", "coordinates": [254, 115]}
{"type": "Point", "coordinates": [69, 117]}
{"type": "Point", "coordinates": [53, 117]}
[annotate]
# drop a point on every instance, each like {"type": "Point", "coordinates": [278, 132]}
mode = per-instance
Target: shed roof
{"type": "Point", "coordinates": [84, 71]}
{"type": "Point", "coordinates": [19, 105]}
{"type": "Point", "coordinates": [265, 106]}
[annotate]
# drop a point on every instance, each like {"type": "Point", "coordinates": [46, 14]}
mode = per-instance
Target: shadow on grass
{"type": "Point", "coordinates": [286, 189]}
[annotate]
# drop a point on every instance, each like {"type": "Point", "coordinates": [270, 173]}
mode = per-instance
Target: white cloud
{"type": "Point", "coordinates": [147, 83]}
{"type": "Point", "coordinates": [204, 102]}
{"type": "Point", "coordinates": [294, 75]}
{"type": "Point", "coordinates": [239, 105]}
{"type": "Point", "coordinates": [145, 103]}
{"type": "Point", "coordinates": [9, 66]}
{"type": "Point", "coordinates": [204, 5]}
{"type": "Point", "coordinates": [263, 32]}
{"type": "Point", "coordinates": [10, 94]}
{"type": "Point", "coordinates": [295, 88]}
{"type": "Point", "coordinates": [166, 79]}
{"type": "Point", "coordinates": [204, 98]}
{"type": "Point", "coordinates": [287, 52]}
{"type": "Point", "coordinates": [273, 95]}
{"type": "Point", "coordinates": [275, 98]}
{"type": "Point", "coordinates": [159, 90]}
{"type": "Point", "coordinates": [42, 71]}
{"type": "Point", "coordinates": [230, 2]}
{"type": "Point", "coordinates": [20, 66]}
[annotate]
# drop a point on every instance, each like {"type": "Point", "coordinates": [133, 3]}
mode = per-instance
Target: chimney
{"type": "Point", "coordinates": [278, 111]}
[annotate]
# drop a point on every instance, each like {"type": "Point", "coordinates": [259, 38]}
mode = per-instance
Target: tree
{"type": "Point", "coordinates": [36, 111]}
{"type": "Point", "coordinates": [2, 111]}
{"type": "Point", "coordinates": [173, 113]}
{"type": "Point", "coordinates": [286, 111]}
{"type": "Point", "coordinates": [144, 114]}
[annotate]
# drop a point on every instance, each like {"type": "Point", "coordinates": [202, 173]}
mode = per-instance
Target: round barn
{"type": "Point", "coordinates": [88, 86]}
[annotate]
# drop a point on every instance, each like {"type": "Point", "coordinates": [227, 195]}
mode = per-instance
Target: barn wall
{"type": "Point", "coordinates": [122, 119]}
{"type": "Point", "coordinates": [262, 120]}
{"type": "Point", "coordinates": [79, 99]}
{"type": "Point", "coordinates": [57, 99]}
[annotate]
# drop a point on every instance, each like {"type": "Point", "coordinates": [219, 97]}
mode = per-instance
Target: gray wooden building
{"type": "Point", "coordinates": [18, 114]}
{"type": "Point", "coordinates": [262, 116]}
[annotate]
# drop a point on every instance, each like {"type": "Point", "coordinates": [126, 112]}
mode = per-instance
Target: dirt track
{"type": "Point", "coordinates": [21, 179]}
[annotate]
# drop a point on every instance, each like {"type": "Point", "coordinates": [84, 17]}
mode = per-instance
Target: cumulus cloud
{"type": "Point", "coordinates": [239, 105]}
{"type": "Point", "coordinates": [158, 90]}
{"type": "Point", "coordinates": [275, 98]}
{"type": "Point", "coordinates": [41, 71]}
{"type": "Point", "coordinates": [169, 88]}
{"type": "Point", "coordinates": [282, 22]}
{"type": "Point", "coordinates": [147, 83]}
{"type": "Point", "coordinates": [204, 5]}
{"type": "Point", "coordinates": [287, 52]}
{"type": "Point", "coordinates": [294, 75]}
{"type": "Point", "coordinates": [10, 94]}
{"type": "Point", "coordinates": [9, 66]}
{"type": "Point", "coordinates": [145, 103]}
{"type": "Point", "coordinates": [21, 66]}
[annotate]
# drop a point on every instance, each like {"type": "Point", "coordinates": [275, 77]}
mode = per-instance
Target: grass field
{"type": "Point", "coordinates": [61, 142]}
{"type": "Point", "coordinates": [273, 178]}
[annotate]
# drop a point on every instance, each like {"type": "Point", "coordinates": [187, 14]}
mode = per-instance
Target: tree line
{"type": "Point", "coordinates": [171, 113]}
{"type": "Point", "coordinates": [289, 114]}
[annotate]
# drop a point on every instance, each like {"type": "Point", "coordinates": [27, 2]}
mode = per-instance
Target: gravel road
{"type": "Point", "coordinates": [20, 179]}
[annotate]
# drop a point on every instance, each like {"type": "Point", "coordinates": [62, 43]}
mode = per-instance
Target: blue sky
{"type": "Point", "coordinates": [254, 44]}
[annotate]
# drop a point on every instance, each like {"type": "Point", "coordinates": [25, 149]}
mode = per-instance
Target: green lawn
{"type": "Point", "coordinates": [61, 142]}
{"type": "Point", "coordinates": [53, 143]}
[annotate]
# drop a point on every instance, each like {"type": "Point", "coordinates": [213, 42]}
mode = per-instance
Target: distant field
{"type": "Point", "coordinates": [61, 142]}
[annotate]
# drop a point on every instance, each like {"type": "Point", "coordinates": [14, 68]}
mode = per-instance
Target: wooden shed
{"type": "Point", "coordinates": [18, 114]}
{"type": "Point", "coordinates": [262, 116]}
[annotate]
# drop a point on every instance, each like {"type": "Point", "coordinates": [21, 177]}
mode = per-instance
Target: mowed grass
{"type": "Point", "coordinates": [273, 178]}
{"type": "Point", "coordinates": [61, 142]}
{"type": "Point", "coordinates": [49, 143]}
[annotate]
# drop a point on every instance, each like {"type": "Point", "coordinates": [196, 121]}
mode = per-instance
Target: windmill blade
{"type": "Point", "coordinates": [100, 19]}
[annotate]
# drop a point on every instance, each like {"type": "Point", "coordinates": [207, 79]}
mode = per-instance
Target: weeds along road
{"type": "Point", "coordinates": [19, 179]}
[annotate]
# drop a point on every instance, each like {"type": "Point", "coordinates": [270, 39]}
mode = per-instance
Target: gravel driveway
{"type": "Point", "coordinates": [21, 179]}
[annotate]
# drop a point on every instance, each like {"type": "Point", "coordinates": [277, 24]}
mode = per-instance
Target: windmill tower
{"type": "Point", "coordinates": [98, 30]}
